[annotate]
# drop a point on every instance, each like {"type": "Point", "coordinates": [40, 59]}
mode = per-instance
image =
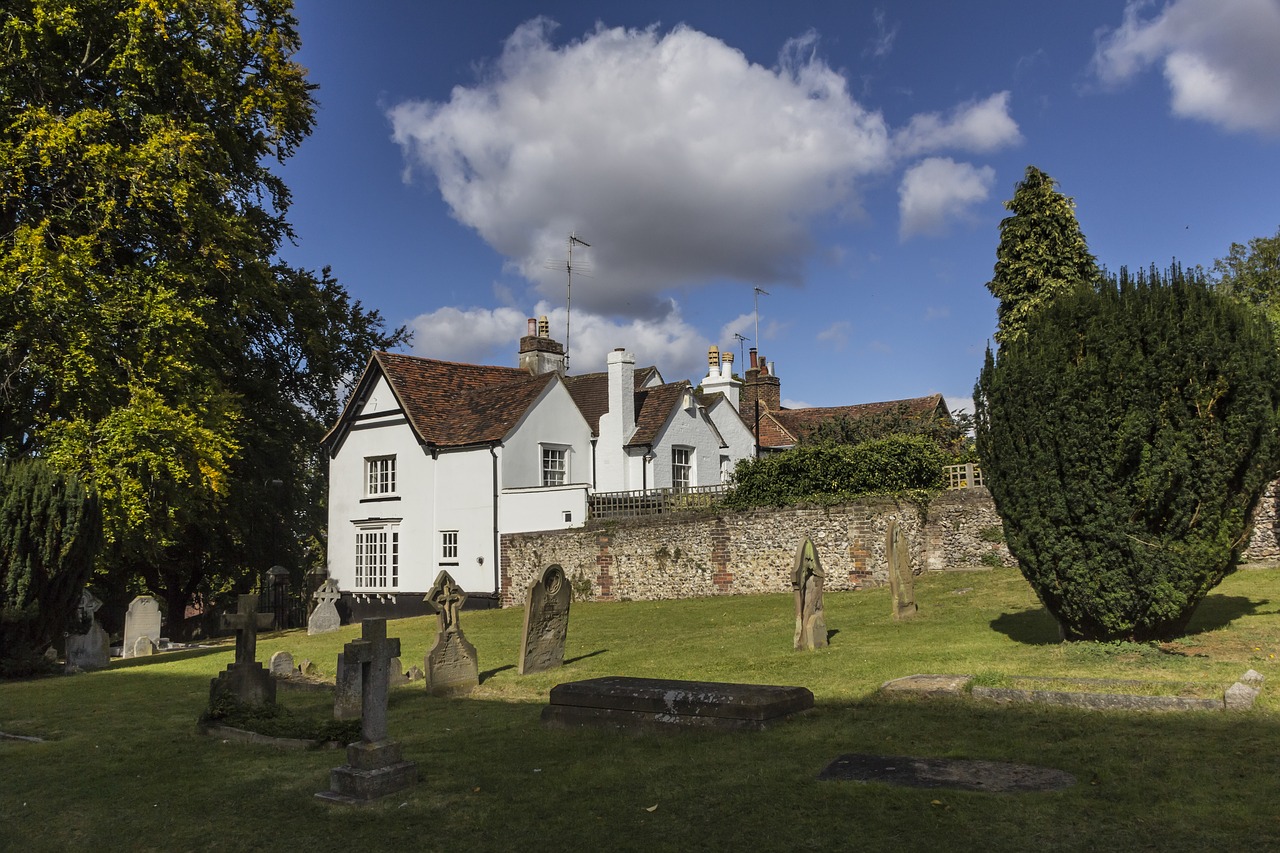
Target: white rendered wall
{"type": "Point", "coordinates": [411, 503]}
{"type": "Point", "coordinates": [736, 434]}
{"type": "Point", "coordinates": [524, 510]}
{"type": "Point", "coordinates": [464, 495]}
{"type": "Point", "coordinates": [554, 420]}
{"type": "Point", "coordinates": [687, 427]}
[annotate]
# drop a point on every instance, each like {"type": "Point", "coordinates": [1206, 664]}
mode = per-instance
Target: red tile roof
{"type": "Point", "coordinates": [591, 392]}
{"type": "Point", "coordinates": [653, 408]}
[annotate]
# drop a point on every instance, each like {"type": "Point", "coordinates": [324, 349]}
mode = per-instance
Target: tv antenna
{"type": "Point", "coordinates": [742, 340]}
{"type": "Point", "coordinates": [759, 290]}
{"type": "Point", "coordinates": [569, 268]}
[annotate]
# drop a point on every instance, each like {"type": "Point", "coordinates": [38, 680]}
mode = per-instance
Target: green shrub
{"type": "Point", "coordinates": [824, 473]}
{"type": "Point", "coordinates": [1126, 440]}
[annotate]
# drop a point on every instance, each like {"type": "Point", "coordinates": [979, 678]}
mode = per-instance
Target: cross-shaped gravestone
{"type": "Point", "coordinates": [446, 598]}
{"type": "Point", "coordinates": [373, 652]}
{"type": "Point", "coordinates": [374, 765]}
{"type": "Point", "coordinates": [325, 617]}
{"type": "Point", "coordinates": [245, 621]}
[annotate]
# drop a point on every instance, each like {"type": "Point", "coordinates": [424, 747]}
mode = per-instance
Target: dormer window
{"type": "Point", "coordinates": [380, 476]}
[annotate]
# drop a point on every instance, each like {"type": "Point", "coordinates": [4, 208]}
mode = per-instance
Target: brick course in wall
{"type": "Point", "coordinates": [732, 553]}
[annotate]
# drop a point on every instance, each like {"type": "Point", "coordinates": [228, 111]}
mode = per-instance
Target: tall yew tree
{"type": "Point", "coordinates": [1126, 438]}
{"type": "Point", "coordinates": [1042, 253]}
{"type": "Point", "coordinates": [153, 343]}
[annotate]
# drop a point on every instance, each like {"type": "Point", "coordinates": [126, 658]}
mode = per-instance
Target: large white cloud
{"type": "Point", "coordinates": [1220, 58]}
{"type": "Point", "coordinates": [492, 336]}
{"type": "Point", "coordinates": [937, 191]}
{"type": "Point", "coordinates": [680, 161]}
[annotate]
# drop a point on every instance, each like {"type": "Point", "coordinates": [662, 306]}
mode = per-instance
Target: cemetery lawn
{"type": "Point", "coordinates": [121, 766]}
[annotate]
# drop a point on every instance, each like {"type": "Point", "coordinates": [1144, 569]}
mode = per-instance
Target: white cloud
{"type": "Point", "coordinates": [937, 191]}
{"type": "Point", "coordinates": [976, 126]}
{"type": "Point", "coordinates": [678, 159]}
{"type": "Point", "coordinates": [1220, 58]}
{"type": "Point", "coordinates": [837, 334]}
{"type": "Point", "coordinates": [882, 44]}
{"type": "Point", "coordinates": [492, 336]}
{"type": "Point", "coordinates": [963, 402]}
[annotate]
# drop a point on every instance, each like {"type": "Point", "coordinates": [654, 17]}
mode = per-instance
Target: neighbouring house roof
{"type": "Point", "coordinates": [653, 409]}
{"type": "Point", "coordinates": [591, 392]}
{"type": "Point", "coordinates": [449, 404]}
{"type": "Point", "coordinates": [786, 427]}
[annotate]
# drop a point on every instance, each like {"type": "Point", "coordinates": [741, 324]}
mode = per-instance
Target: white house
{"type": "Point", "coordinates": [431, 461]}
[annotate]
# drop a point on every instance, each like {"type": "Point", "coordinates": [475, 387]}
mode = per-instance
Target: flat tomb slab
{"type": "Point", "coordinates": [958, 774]}
{"type": "Point", "coordinates": [659, 703]}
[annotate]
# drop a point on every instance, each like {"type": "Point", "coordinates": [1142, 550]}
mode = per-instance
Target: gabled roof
{"type": "Point", "coordinates": [791, 425]}
{"type": "Point", "coordinates": [591, 392]}
{"type": "Point", "coordinates": [653, 410]}
{"type": "Point", "coordinates": [449, 404]}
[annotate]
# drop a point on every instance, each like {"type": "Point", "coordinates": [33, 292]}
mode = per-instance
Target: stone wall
{"type": "Point", "coordinates": [687, 555]}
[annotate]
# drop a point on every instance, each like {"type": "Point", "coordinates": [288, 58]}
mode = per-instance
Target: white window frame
{"type": "Point", "coordinates": [377, 556]}
{"type": "Point", "coordinates": [380, 476]}
{"type": "Point", "coordinates": [682, 459]}
{"type": "Point", "coordinates": [449, 547]}
{"type": "Point", "coordinates": [553, 476]}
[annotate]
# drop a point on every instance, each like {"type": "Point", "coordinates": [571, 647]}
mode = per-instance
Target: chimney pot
{"type": "Point", "coordinates": [544, 327]}
{"type": "Point", "coordinates": [752, 353]}
{"type": "Point", "coordinates": [533, 327]}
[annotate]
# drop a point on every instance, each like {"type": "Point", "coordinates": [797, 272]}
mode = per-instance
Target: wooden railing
{"type": "Point", "coordinates": [652, 501]}
{"type": "Point", "coordinates": [963, 476]}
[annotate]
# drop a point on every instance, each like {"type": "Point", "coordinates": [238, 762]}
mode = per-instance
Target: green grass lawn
{"type": "Point", "coordinates": [122, 767]}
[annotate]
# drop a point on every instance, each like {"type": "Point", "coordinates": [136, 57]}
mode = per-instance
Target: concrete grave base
{"type": "Point", "coordinates": [663, 704]}
{"type": "Point", "coordinates": [373, 770]}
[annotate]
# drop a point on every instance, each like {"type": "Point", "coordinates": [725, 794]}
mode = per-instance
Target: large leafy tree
{"type": "Point", "coordinates": [1252, 272]}
{"type": "Point", "coordinates": [1042, 253]}
{"type": "Point", "coordinates": [1126, 439]}
{"type": "Point", "coordinates": [153, 342]}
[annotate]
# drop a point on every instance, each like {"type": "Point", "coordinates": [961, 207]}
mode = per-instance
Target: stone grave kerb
{"type": "Point", "coordinates": [373, 651]}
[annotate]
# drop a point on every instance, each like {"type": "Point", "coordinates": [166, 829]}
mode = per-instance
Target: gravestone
{"type": "Point", "coordinates": [245, 680]}
{"type": "Point", "coordinates": [346, 691]}
{"type": "Point", "coordinates": [452, 666]}
{"type": "Point", "coordinates": [88, 646]}
{"type": "Point", "coordinates": [546, 622]}
{"type": "Point", "coordinates": [806, 582]}
{"type": "Point", "coordinates": [282, 664]}
{"type": "Point", "coordinates": [662, 704]}
{"type": "Point", "coordinates": [325, 617]}
{"type": "Point", "coordinates": [395, 673]}
{"type": "Point", "coordinates": [374, 765]}
{"type": "Point", "coordinates": [141, 622]}
{"type": "Point", "coordinates": [902, 584]}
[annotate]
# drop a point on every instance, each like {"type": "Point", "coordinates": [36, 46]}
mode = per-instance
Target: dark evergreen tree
{"type": "Point", "coordinates": [1042, 253]}
{"type": "Point", "coordinates": [1126, 439]}
{"type": "Point", "coordinates": [50, 532]}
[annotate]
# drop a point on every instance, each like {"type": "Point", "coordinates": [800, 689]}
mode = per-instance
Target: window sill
{"type": "Point", "coordinates": [380, 499]}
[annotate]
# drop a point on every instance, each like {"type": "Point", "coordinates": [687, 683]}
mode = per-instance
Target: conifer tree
{"type": "Point", "coordinates": [1042, 253]}
{"type": "Point", "coordinates": [50, 532]}
{"type": "Point", "coordinates": [1126, 439]}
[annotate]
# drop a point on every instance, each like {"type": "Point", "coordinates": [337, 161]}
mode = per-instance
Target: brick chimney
{"type": "Point", "coordinates": [538, 352]}
{"type": "Point", "coordinates": [760, 385]}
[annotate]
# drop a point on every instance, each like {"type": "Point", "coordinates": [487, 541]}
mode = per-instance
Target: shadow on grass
{"type": "Point", "coordinates": [490, 673]}
{"type": "Point", "coordinates": [584, 657]}
{"type": "Point", "coordinates": [1219, 611]}
{"type": "Point", "coordinates": [1032, 627]}
{"type": "Point", "coordinates": [166, 657]}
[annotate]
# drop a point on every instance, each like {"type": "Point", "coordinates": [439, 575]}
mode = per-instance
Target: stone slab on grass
{"type": "Point", "coordinates": [663, 704]}
{"type": "Point", "coordinates": [959, 774]}
{"type": "Point", "coordinates": [928, 685]}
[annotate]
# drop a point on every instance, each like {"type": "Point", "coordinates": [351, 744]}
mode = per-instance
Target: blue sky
{"type": "Point", "coordinates": [851, 159]}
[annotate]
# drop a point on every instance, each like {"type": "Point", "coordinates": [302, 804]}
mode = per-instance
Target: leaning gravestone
{"type": "Point", "coordinates": [806, 582]}
{"type": "Point", "coordinates": [374, 765]}
{"type": "Point", "coordinates": [245, 680]}
{"type": "Point", "coordinates": [546, 622]}
{"type": "Point", "coordinates": [902, 583]}
{"type": "Point", "coordinates": [452, 666]}
{"type": "Point", "coordinates": [88, 646]}
{"type": "Point", "coordinates": [141, 622]}
{"type": "Point", "coordinates": [325, 617]}
{"type": "Point", "coordinates": [282, 664]}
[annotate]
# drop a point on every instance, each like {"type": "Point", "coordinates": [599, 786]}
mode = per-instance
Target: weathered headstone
{"type": "Point", "coordinates": [546, 622]}
{"type": "Point", "coordinates": [374, 765]}
{"type": "Point", "coordinates": [395, 673]}
{"type": "Point", "coordinates": [346, 691]}
{"type": "Point", "coordinates": [88, 646]}
{"type": "Point", "coordinates": [325, 617]}
{"type": "Point", "coordinates": [902, 584]}
{"type": "Point", "coordinates": [806, 583]}
{"type": "Point", "coordinates": [142, 647]}
{"type": "Point", "coordinates": [452, 666]}
{"type": "Point", "coordinates": [282, 664]}
{"type": "Point", "coordinates": [141, 621]}
{"type": "Point", "coordinates": [245, 680]}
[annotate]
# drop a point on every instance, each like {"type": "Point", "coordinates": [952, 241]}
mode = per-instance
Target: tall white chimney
{"type": "Point", "coordinates": [622, 391]}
